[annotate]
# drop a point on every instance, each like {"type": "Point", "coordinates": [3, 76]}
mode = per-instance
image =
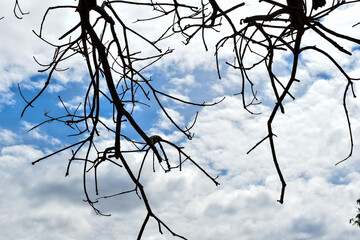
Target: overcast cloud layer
{"type": "Point", "coordinates": [38, 202]}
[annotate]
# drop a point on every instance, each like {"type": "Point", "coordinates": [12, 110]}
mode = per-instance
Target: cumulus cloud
{"type": "Point", "coordinates": [165, 123]}
{"type": "Point", "coordinates": [8, 137]}
{"type": "Point", "coordinates": [38, 202]}
{"type": "Point", "coordinates": [22, 45]}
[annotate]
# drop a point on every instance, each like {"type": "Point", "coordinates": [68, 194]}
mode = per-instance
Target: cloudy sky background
{"type": "Point", "coordinates": [38, 202]}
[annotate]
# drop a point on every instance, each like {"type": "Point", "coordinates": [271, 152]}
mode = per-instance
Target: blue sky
{"type": "Point", "coordinates": [38, 202]}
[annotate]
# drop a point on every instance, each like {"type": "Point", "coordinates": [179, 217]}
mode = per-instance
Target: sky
{"type": "Point", "coordinates": [39, 202]}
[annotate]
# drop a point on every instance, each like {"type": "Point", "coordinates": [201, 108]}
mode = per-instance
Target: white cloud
{"type": "Point", "coordinates": [38, 202]}
{"type": "Point", "coordinates": [180, 82]}
{"type": "Point", "coordinates": [36, 133]}
{"type": "Point", "coordinates": [72, 104]}
{"type": "Point", "coordinates": [6, 98]}
{"type": "Point", "coordinates": [8, 137]}
{"type": "Point", "coordinates": [17, 156]}
{"type": "Point", "coordinates": [243, 205]}
{"type": "Point", "coordinates": [17, 64]}
{"type": "Point", "coordinates": [164, 122]}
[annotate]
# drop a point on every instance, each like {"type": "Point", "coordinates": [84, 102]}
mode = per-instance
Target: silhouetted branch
{"type": "Point", "coordinates": [107, 58]}
{"type": "Point", "coordinates": [278, 30]}
{"type": "Point", "coordinates": [17, 9]}
{"type": "Point", "coordinates": [104, 40]}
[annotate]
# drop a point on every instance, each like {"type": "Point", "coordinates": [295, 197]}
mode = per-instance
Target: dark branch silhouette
{"type": "Point", "coordinates": [113, 59]}
{"type": "Point", "coordinates": [17, 9]}
{"type": "Point", "coordinates": [281, 29]}
{"type": "Point", "coordinates": [356, 220]}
